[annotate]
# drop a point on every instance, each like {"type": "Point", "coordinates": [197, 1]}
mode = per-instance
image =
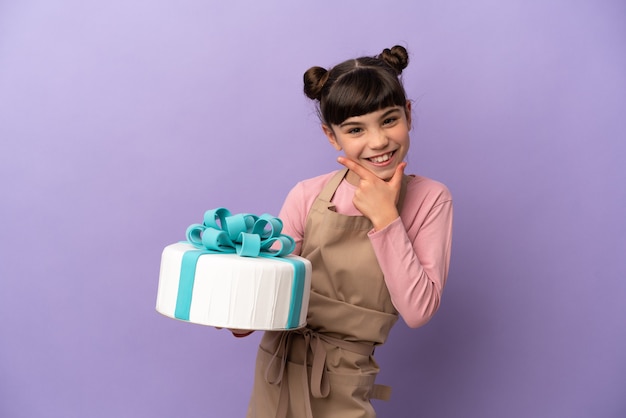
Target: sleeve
{"type": "Point", "coordinates": [414, 256]}
{"type": "Point", "coordinates": [293, 214]}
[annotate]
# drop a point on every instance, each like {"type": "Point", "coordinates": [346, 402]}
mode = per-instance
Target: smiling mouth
{"type": "Point", "coordinates": [382, 158]}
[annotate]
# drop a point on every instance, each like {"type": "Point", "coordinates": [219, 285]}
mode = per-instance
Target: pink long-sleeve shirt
{"type": "Point", "coordinates": [413, 251]}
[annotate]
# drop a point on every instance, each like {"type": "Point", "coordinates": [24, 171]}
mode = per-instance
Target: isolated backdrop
{"type": "Point", "coordinates": [121, 122]}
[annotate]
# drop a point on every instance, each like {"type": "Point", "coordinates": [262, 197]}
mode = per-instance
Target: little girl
{"type": "Point", "coordinates": [379, 242]}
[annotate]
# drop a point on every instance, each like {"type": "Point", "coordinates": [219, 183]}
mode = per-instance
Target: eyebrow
{"type": "Point", "coordinates": [383, 116]}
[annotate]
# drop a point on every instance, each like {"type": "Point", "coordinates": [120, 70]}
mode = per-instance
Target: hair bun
{"type": "Point", "coordinates": [397, 58]}
{"type": "Point", "coordinates": [314, 80]}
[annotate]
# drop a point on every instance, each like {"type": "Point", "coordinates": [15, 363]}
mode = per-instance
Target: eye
{"type": "Point", "coordinates": [355, 131]}
{"type": "Point", "coordinates": [390, 120]}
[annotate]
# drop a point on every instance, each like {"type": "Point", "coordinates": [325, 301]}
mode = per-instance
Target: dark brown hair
{"type": "Point", "coordinates": [358, 86]}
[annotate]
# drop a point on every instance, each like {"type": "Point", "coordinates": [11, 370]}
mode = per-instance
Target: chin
{"type": "Point", "coordinates": [385, 176]}
{"type": "Point", "coordinates": [387, 173]}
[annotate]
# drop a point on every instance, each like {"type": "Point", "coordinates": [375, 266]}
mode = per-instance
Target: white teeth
{"type": "Point", "coordinates": [381, 158]}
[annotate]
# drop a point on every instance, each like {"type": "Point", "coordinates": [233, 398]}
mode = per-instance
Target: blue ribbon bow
{"type": "Point", "coordinates": [244, 234]}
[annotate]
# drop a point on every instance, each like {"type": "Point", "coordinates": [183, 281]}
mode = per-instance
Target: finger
{"type": "Point", "coordinates": [398, 174]}
{"type": "Point", "coordinates": [358, 169]}
{"type": "Point", "coordinates": [240, 333]}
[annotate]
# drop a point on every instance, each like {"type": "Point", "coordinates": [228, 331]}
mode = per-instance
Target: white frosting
{"type": "Point", "coordinates": [233, 292]}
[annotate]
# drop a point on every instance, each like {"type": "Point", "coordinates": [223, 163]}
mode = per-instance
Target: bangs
{"type": "Point", "coordinates": [362, 91]}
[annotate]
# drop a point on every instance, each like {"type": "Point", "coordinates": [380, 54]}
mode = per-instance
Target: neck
{"type": "Point", "coordinates": [353, 178]}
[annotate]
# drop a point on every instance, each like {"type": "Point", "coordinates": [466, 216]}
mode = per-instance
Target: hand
{"type": "Point", "coordinates": [239, 333]}
{"type": "Point", "coordinates": [376, 198]}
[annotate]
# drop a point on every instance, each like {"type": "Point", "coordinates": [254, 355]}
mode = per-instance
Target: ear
{"type": "Point", "coordinates": [330, 134]}
{"type": "Point", "coordinates": [407, 112]}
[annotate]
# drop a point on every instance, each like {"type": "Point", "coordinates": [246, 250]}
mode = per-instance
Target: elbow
{"type": "Point", "coordinates": [412, 323]}
{"type": "Point", "coordinates": [417, 322]}
{"type": "Point", "coordinates": [418, 318]}
{"type": "Point", "coordinates": [419, 305]}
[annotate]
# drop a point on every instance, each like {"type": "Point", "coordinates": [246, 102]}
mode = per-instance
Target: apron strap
{"type": "Point", "coordinates": [329, 189]}
{"type": "Point", "coordinates": [382, 392]}
{"type": "Point", "coordinates": [318, 385]}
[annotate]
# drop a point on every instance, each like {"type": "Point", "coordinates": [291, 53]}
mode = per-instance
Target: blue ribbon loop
{"type": "Point", "coordinates": [245, 234]}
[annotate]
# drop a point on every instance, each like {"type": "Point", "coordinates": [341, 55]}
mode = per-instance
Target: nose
{"type": "Point", "coordinates": [378, 140]}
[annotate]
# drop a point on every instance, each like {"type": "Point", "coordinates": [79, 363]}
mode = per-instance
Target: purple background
{"type": "Point", "coordinates": [122, 122]}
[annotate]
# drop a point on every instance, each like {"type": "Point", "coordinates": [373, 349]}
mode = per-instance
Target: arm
{"type": "Point", "coordinates": [414, 258]}
{"type": "Point", "coordinates": [414, 254]}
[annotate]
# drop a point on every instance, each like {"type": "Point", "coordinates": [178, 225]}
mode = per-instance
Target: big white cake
{"type": "Point", "coordinates": [228, 290]}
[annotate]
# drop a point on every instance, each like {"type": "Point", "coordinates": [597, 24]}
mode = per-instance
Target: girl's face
{"type": "Point", "coordinates": [378, 141]}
